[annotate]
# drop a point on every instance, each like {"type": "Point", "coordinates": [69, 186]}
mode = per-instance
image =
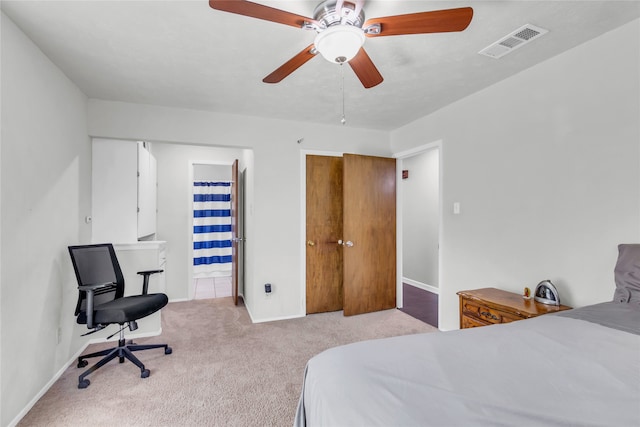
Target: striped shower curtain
{"type": "Point", "coordinates": [211, 229]}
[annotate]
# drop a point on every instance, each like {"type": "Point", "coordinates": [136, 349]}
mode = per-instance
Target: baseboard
{"type": "Point", "coordinates": [46, 387]}
{"type": "Point", "coordinates": [423, 286]}
{"type": "Point", "coordinates": [271, 319]}
{"type": "Point", "coordinates": [71, 361]}
{"type": "Point", "coordinates": [274, 319]}
{"type": "Point", "coordinates": [248, 310]}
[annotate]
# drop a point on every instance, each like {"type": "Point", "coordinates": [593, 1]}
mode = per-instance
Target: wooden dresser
{"type": "Point", "coordinates": [488, 306]}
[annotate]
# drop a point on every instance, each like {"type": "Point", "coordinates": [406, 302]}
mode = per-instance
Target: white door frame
{"type": "Point", "coordinates": [401, 156]}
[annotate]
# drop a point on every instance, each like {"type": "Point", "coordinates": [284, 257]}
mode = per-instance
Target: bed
{"type": "Point", "coordinates": [579, 367]}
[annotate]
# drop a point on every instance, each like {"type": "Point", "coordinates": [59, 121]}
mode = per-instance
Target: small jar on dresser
{"type": "Point", "coordinates": [489, 306]}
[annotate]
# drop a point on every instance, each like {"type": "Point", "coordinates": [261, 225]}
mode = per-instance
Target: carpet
{"type": "Point", "coordinates": [224, 370]}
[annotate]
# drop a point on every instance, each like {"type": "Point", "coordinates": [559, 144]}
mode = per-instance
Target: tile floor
{"type": "Point", "coordinates": [212, 287]}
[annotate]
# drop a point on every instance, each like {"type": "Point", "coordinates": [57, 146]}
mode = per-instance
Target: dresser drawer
{"type": "Point", "coordinates": [482, 312]}
{"type": "Point", "coordinates": [470, 322]}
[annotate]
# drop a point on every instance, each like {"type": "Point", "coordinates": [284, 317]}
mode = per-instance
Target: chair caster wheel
{"type": "Point", "coordinates": [82, 364]}
{"type": "Point", "coordinates": [168, 350]}
{"type": "Point", "coordinates": [84, 384]}
{"type": "Point", "coordinates": [144, 373]}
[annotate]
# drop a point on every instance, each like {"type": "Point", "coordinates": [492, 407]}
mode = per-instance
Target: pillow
{"type": "Point", "coordinates": [627, 274]}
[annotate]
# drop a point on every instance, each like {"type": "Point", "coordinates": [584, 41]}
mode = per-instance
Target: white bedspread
{"type": "Point", "coordinates": [547, 371]}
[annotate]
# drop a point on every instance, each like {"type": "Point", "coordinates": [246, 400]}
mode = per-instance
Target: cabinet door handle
{"type": "Point", "coordinates": [489, 315]}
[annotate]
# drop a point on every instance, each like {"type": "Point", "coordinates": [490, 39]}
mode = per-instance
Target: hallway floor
{"type": "Point", "coordinates": [421, 304]}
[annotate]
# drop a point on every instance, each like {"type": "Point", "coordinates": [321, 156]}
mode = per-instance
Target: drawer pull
{"type": "Point", "coordinates": [489, 315]}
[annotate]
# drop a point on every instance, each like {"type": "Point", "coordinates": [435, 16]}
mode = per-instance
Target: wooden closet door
{"type": "Point", "coordinates": [369, 193]}
{"type": "Point", "coordinates": [324, 263]}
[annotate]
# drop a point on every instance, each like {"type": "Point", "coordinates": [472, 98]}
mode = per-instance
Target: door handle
{"type": "Point", "coordinates": [340, 242]}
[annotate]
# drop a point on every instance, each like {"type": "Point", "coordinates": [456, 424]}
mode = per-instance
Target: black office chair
{"type": "Point", "coordinates": [101, 302]}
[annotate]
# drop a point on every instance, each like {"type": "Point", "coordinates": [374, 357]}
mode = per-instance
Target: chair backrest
{"type": "Point", "coordinates": [96, 264]}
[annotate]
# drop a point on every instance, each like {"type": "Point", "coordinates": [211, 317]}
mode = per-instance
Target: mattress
{"type": "Point", "coordinates": [581, 367]}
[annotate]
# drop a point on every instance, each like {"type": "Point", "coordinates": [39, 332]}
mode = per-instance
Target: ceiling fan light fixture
{"type": "Point", "coordinates": [339, 43]}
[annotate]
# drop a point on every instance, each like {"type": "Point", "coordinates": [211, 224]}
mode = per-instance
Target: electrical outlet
{"type": "Point", "coordinates": [267, 288]}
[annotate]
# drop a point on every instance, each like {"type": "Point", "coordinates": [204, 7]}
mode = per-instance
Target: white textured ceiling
{"type": "Point", "coordinates": [185, 54]}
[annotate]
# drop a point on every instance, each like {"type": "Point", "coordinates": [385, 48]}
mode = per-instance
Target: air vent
{"type": "Point", "coordinates": [513, 41]}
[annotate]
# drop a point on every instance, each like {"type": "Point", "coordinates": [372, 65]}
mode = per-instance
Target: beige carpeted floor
{"type": "Point", "coordinates": [224, 370]}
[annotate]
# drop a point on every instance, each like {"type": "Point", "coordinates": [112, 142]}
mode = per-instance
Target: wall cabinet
{"type": "Point", "coordinates": [123, 191]}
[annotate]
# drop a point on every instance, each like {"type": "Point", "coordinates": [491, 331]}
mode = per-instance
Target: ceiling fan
{"type": "Point", "coordinates": [342, 30]}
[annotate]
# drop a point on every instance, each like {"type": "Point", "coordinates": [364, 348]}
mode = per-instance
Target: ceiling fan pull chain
{"type": "Point", "coordinates": [343, 120]}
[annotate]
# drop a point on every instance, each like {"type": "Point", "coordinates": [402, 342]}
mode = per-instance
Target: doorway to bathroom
{"type": "Point", "coordinates": [217, 230]}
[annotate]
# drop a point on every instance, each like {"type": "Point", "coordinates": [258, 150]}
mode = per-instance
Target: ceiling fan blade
{"type": "Point", "coordinates": [366, 71]}
{"type": "Point", "coordinates": [438, 21]}
{"type": "Point", "coordinates": [259, 11]}
{"type": "Point", "coordinates": [291, 65]}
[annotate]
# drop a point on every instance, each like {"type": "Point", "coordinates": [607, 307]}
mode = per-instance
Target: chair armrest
{"type": "Point", "coordinates": [145, 279]}
{"type": "Point", "coordinates": [89, 289]}
{"type": "Point", "coordinates": [146, 272]}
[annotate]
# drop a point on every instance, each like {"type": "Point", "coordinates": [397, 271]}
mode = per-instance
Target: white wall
{"type": "Point", "coordinates": [46, 183]}
{"type": "Point", "coordinates": [546, 166]}
{"type": "Point", "coordinates": [273, 253]}
{"type": "Point", "coordinates": [211, 172]}
{"type": "Point", "coordinates": [421, 218]}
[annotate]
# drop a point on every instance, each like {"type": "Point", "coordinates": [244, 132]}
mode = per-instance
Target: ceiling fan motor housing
{"type": "Point", "coordinates": [327, 15]}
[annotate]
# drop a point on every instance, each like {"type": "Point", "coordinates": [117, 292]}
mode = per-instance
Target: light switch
{"type": "Point", "coordinates": [456, 208]}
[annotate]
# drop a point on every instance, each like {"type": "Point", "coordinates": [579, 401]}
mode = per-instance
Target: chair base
{"type": "Point", "coordinates": [122, 351]}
